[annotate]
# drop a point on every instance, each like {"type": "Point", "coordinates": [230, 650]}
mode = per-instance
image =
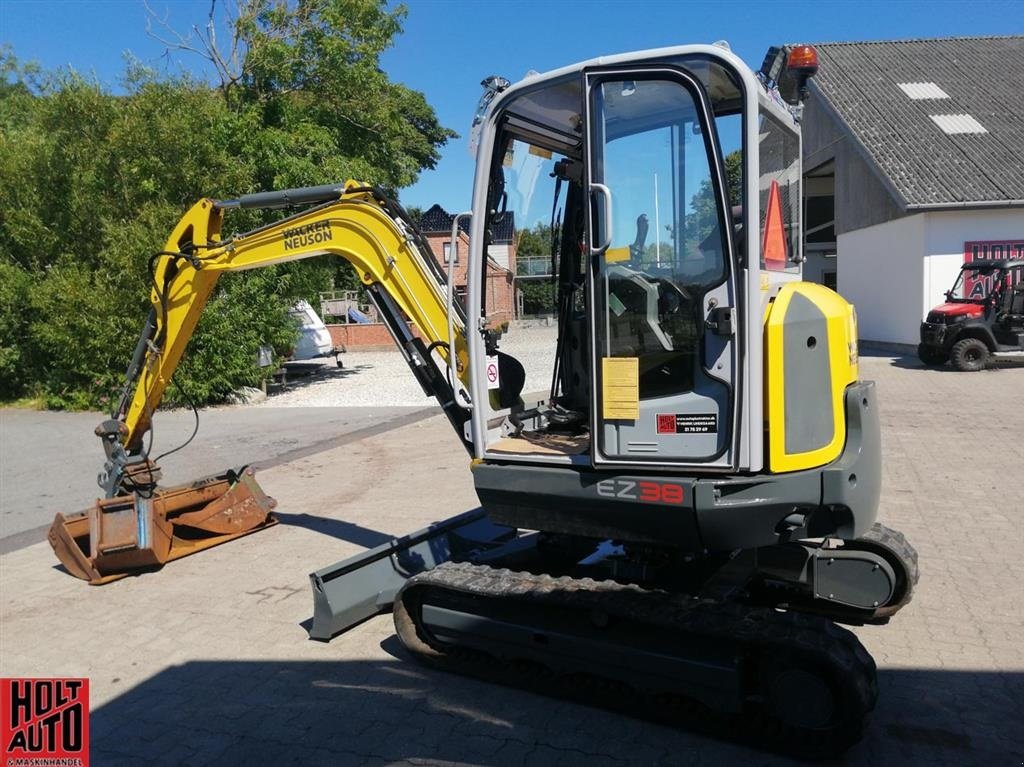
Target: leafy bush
{"type": "Point", "coordinates": [14, 315]}
{"type": "Point", "coordinates": [223, 352]}
{"type": "Point", "coordinates": [538, 296]}
{"type": "Point", "coordinates": [93, 183]}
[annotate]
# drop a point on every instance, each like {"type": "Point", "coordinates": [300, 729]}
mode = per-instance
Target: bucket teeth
{"type": "Point", "coordinates": [130, 533]}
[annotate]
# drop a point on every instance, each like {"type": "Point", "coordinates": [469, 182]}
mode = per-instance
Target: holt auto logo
{"type": "Point", "coordinates": [44, 722]}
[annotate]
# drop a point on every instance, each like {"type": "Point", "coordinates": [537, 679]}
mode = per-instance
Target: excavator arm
{"type": "Point", "coordinates": [356, 223]}
{"type": "Point", "coordinates": [138, 525]}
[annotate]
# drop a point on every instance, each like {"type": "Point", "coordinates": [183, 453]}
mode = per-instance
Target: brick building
{"type": "Point", "coordinates": [436, 225]}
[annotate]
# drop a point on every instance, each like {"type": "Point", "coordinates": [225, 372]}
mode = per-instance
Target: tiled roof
{"type": "Point", "coordinates": [437, 220]}
{"type": "Point", "coordinates": [915, 107]}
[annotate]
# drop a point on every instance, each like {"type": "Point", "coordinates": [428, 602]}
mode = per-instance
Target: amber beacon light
{"type": "Point", "coordinates": [803, 59]}
{"type": "Point", "coordinates": [788, 68]}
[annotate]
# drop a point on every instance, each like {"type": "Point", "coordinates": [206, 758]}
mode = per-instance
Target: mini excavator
{"type": "Point", "coordinates": [676, 527]}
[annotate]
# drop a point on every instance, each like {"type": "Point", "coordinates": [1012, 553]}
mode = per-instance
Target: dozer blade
{"type": "Point", "coordinates": [122, 535]}
{"type": "Point", "coordinates": [354, 589]}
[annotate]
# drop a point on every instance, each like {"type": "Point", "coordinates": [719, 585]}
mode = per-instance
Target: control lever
{"type": "Point", "coordinates": [636, 250]}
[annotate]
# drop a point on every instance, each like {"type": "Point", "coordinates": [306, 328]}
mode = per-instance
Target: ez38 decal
{"type": "Point", "coordinates": [641, 490]}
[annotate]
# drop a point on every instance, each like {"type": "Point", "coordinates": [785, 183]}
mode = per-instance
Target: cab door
{"type": "Point", "coordinates": [662, 278]}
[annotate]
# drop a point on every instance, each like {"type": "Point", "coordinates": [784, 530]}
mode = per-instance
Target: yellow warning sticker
{"type": "Point", "coordinates": [616, 254]}
{"type": "Point", "coordinates": [540, 152]}
{"type": "Point", "coordinates": [620, 389]}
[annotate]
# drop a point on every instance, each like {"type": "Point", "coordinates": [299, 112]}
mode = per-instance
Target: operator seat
{"type": "Point", "coordinates": [1016, 307]}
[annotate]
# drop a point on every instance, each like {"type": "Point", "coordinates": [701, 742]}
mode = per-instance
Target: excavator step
{"type": "Point", "coordinates": [797, 684]}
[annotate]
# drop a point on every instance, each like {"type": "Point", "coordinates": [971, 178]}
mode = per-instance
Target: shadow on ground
{"type": "Point", "coordinates": [301, 376]}
{"type": "Point", "coordinates": [343, 712]}
{"type": "Point", "coordinates": [908, 362]}
{"type": "Point", "coordinates": [335, 528]}
{"type": "Point", "coordinates": [911, 362]}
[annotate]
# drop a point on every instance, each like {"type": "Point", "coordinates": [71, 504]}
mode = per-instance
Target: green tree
{"type": "Point", "coordinates": [14, 299]}
{"type": "Point", "coordinates": [538, 296]}
{"type": "Point", "coordinates": [94, 181]}
{"type": "Point", "coordinates": [538, 293]}
{"type": "Point", "coordinates": [704, 217]}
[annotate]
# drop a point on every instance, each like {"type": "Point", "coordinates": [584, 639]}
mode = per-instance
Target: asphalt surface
{"type": "Point", "coordinates": [49, 461]}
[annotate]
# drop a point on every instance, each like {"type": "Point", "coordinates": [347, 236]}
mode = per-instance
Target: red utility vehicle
{"type": "Point", "coordinates": [983, 317]}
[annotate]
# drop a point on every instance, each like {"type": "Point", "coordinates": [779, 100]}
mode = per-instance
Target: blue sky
{"type": "Point", "coordinates": [450, 45]}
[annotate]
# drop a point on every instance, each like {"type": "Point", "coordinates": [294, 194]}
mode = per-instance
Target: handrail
{"type": "Point", "coordinates": [453, 253]}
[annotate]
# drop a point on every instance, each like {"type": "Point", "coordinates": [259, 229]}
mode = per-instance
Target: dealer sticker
{"type": "Point", "coordinates": [687, 423]}
{"type": "Point", "coordinates": [44, 722]}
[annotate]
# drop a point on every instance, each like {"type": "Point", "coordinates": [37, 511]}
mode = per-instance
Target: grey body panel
{"type": "Point", "coordinates": [807, 389]}
{"type": "Point", "coordinates": [718, 348]}
{"type": "Point", "coordinates": [840, 499]}
{"type": "Point", "coordinates": [854, 480]}
{"type": "Point", "coordinates": [854, 578]}
{"type": "Point", "coordinates": [640, 441]}
{"type": "Point", "coordinates": [574, 502]}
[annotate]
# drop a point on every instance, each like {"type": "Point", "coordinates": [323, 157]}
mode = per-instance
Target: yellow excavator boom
{"type": "Point", "coordinates": [355, 227]}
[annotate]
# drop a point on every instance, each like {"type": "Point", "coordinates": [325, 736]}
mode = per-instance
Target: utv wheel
{"type": "Point", "coordinates": [969, 355]}
{"type": "Point", "coordinates": [929, 355]}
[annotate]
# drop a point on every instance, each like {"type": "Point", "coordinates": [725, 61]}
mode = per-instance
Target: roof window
{"type": "Point", "coordinates": [920, 91]}
{"type": "Point", "coordinates": [954, 124]}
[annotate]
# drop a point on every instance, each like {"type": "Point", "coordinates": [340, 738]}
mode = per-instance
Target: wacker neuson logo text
{"type": "Point", "coordinates": [309, 234]}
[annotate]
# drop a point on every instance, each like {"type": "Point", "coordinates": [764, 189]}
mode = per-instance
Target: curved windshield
{"type": "Point", "coordinates": [665, 215]}
{"type": "Point", "coordinates": [974, 284]}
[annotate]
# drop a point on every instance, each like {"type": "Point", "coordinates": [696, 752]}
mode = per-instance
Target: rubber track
{"type": "Point", "coordinates": [761, 636]}
{"type": "Point", "coordinates": [905, 555]}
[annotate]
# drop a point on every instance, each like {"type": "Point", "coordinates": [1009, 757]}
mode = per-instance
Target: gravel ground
{"type": "Point", "coordinates": [382, 379]}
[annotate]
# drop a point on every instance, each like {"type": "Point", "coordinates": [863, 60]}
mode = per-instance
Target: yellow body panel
{"type": "Point", "coordinates": [841, 346]}
{"type": "Point", "coordinates": [356, 228]}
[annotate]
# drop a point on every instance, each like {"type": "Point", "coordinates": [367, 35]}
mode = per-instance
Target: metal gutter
{"type": "Point", "coordinates": [968, 204]}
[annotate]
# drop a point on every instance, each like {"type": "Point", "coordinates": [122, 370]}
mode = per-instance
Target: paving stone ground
{"type": "Point", "coordinates": [208, 662]}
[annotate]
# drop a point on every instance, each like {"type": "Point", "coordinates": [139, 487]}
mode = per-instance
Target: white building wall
{"type": "Point", "coordinates": [895, 272]}
{"type": "Point", "coordinates": [880, 271]}
{"type": "Point", "coordinates": [945, 235]}
{"type": "Point", "coordinates": [500, 254]}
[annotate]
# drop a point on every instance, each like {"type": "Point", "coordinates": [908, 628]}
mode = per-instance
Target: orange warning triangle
{"type": "Point", "coordinates": [773, 245]}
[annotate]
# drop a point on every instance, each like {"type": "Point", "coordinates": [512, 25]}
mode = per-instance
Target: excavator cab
{"type": "Point", "coordinates": [648, 322]}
